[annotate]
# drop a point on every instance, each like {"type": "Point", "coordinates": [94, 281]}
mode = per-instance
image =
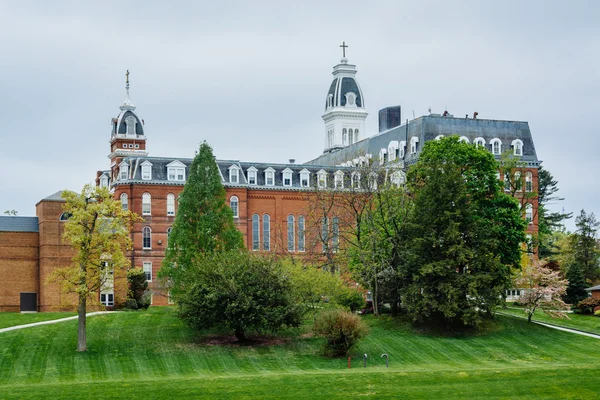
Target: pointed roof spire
{"type": "Point", "coordinates": [127, 103]}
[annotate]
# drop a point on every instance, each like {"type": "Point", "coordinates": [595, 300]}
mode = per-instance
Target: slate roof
{"type": "Point", "coordinates": [427, 128]}
{"type": "Point", "coordinates": [18, 224]}
{"type": "Point", "coordinates": [597, 287]}
{"type": "Point", "coordinates": [55, 196]}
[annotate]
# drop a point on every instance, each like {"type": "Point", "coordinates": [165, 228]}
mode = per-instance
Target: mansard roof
{"type": "Point", "coordinates": [18, 224]}
{"type": "Point", "coordinates": [429, 127]}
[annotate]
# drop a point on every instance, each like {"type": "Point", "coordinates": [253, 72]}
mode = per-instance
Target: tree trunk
{"type": "Point", "coordinates": [81, 336]}
{"type": "Point", "coordinates": [240, 335]}
{"type": "Point", "coordinates": [375, 298]}
{"type": "Point", "coordinates": [529, 317]}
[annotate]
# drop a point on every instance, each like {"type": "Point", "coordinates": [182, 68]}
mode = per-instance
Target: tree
{"type": "Point", "coordinates": [12, 213]}
{"type": "Point", "coordinates": [576, 288]}
{"type": "Point", "coordinates": [138, 295]}
{"type": "Point", "coordinates": [466, 235]}
{"type": "Point", "coordinates": [98, 230]}
{"type": "Point", "coordinates": [585, 246]}
{"type": "Point", "coordinates": [544, 290]}
{"type": "Point", "coordinates": [203, 225]}
{"type": "Point", "coordinates": [548, 222]}
{"type": "Point", "coordinates": [241, 292]}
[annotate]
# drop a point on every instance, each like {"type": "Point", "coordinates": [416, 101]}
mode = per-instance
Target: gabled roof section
{"type": "Point", "coordinates": [55, 196]}
{"type": "Point", "coordinates": [176, 163]}
{"type": "Point", "coordinates": [18, 224]}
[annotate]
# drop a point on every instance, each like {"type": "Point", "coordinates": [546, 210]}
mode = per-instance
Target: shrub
{"type": "Point", "coordinates": [341, 329]}
{"type": "Point", "coordinates": [588, 305]}
{"type": "Point", "coordinates": [597, 313]}
{"type": "Point", "coordinates": [138, 296]}
{"type": "Point", "coordinates": [350, 298]}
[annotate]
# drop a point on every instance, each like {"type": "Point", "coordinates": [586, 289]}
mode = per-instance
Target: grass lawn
{"type": "Point", "coordinates": [152, 355]}
{"type": "Point", "coordinates": [587, 323]}
{"type": "Point", "coordinates": [8, 319]}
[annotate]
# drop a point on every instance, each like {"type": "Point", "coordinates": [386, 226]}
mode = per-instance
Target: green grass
{"type": "Point", "coordinates": [153, 354]}
{"type": "Point", "coordinates": [587, 323]}
{"type": "Point", "coordinates": [13, 319]}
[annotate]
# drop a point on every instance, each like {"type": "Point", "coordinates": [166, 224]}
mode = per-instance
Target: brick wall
{"type": "Point", "coordinates": [18, 267]}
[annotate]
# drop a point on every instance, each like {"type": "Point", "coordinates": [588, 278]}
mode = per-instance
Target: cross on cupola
{"type": "Point", "coordinates": [343, 46]}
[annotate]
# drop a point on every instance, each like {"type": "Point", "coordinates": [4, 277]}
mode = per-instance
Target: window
{"type": "Point", "coordinates": [64, 217]}
{"type": "Point", "coordinates": [325, 234]}
{"type": "Point", "coordinates": [350, 136]}
{"type": "Point", "coordinates": [255, 232]}
{"type": "Point", "coordinates": [146, 171]}
{"type": "Point", "coordinates": [252, 176]}
{"type": "Point", "coordinates": [529, 243]}
{"type": "Point", "coordinates": [464, 139]}
{"type": "Point", "coordinates": [124, 202]}
{"type": "Point", "coordinates": [401, 148]}
{"type": "Point", "coordinates": [350, 99]}
{"type": "Point", "coordinates": [301, 233]}
{"type": "Point", "coordinates": [108, 299]}
{"type": "Point", "coordinates": [124, 145]}
{"type": "Point", "coordinates": [496, 145]}
{"type": "Point", "coordinates": [104, 181]}
{"type": "Point", "coordinates": [414, 142]}
{"type": "Point", "coordinates": [373, 181]}
{"type": "Point", "coordinates": [356, 135]}
{"type": "Point", "coordinates": [131, 145]}
{"type": "Point", "coordinates": [234, 176]}
{"type": "Point", "coordinates": [148, 270]}
{"type": "Point", "coordinates": [176, 171]}
{"type": "Point", "coordinates": [335, 234]}
{"type": "Point", "coordinates": [518, 181]}
{"type": "Point", "coordinates": [329, 101]}
{"type": "Point", "coordinates": [123, 171]}
{"type": "Point", "coordinates": [137, 146]}
{"type": "Point", "coordinates": [329, 139]}
{"type": "Point", "coordinates": [287, 177]}
{"type": "Point", "coordinates": [304, 178]}
{"type": "Point", "coordinates": [529, 213]}
{"type": "Point", "coordinates": [146, 238]}
{"type": "Point", "coordinates": [439, 137]}
{"type": "Point", "coordinates": [266, 232]}
{"type": "Point", "coordinates": [382, 156]}
{"type": "Point", "coordinates": [170, 204]}
{"type": "Point", "coordinates": [355, 180]}
{"type": "Point", "coordinates": [130, 122]}
{"type": "Point", "coordinates": [270, 177]}
{"type": "Point", "coordinates": [479, 142]}
{"type": "Point", "coordinates": [290, 233]}
{"type": "Point", "coordinates": [392, 146]}
{"type": "Point", "coordinates": [517, 146]}
{"type": "Point", "coordinates": [345, 137]}
{"type": "Point", "coordinates": [146, 204]}
{"type": "Point", "coordinates": [507, 183]}
{"type": "Point", "coordinates": [322, 179]}
{"type": "Point", "coordinates": [338, 180]}
{"type": "Point", "coordinates": [233, 203]}
{"type": "Point", "coordinates": [528, 181]}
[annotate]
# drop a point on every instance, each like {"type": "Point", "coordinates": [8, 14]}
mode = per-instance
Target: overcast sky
{"type": "Point", "coordinates": [251, 78]}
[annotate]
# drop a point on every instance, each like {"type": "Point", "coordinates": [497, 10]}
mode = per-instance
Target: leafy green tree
{"type": "Point", "coordinates": [576, 288]}
{"type": "Point", "coordinates": [548, 221]}
{"type": "Point", "coordinates": [203, 225]}
{"type": "Point", "coordinates": [241, 292]}
{"type": "Point", "coordinates": [98, 230]}
{"type": "Point", "coordinates": [585, 246]}
{"type": "Point", "coordinates": [341, 330]}
{"type": "Point", "coordinates": [466, 235]}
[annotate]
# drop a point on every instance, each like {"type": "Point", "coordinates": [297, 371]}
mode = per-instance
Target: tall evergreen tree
{"type": "Point", "coordinates": [586, 250]}
{"type": "Point", "coordinates": [548, 221]}
{"type": "Point", "coordinates": [576, 288]}
{"type": "Point", "coordinates": [203, 225]}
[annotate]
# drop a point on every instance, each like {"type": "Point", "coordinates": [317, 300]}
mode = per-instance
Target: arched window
{"type": "Point", "coordinates": [146, 204]}
{"type": "Point", "coordinates": [350, 136]}
{"type": "Point", "coordinates": [64, 216]}
{"type": "Point", "coordinates": [301, 233]}
{"type": "Point", "coordinates": [517, 146]}
{"type": "Point", "coordinates": [233, 203]}
{"type": "Point", "coordinates": [255, 232]}
{"type": "Point", "coordinates": [290, 233]}
{"type": "Point", "coordinates": [355, 180]}
{"type": "Point", "coordinates": [124, 202]}
{"type": "Point", "coordinates": [439, 137]}
{"type": "Point", "coordinates": [169, 230]}
{"type": "Point", "coordinates": [266, 232]}
{"type": "Point", "coordinates": [479, 142]}
{"type": "Point", "coordinates": [345, 136]}
{"type": "Point", "coordinates": [528, 181]}
{"type": "Point", "coordinates": [170, 204]}
{"type": "Point", "coordinates": [146, 237]}
{"type": "Point", "coordinates": [335, 233]}
{"type": "Point", "coordinates": [496, 145]}
{"type": "Point", "coordinates": [529, 213]}
{"type": "Point", "coordinates": [464, 139]}
{"type": "Point", "coordinates": [518, 181]}
{"type": "Point", "coordinates": [338, 180]}
{"type": "Point", "coordinates": [356, 135]}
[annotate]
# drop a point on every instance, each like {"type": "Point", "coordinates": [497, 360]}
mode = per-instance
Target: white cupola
{"type": "Point", "coordinates": [345, 112]}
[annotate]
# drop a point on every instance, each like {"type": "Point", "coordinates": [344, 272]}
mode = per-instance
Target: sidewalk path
{"type": "Point", "coordinates": [560, 328]}
{"type": "Point", "coordinates": [52, 321]}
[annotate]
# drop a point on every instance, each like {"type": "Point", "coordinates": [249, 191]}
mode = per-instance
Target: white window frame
{"type": "Point", "coordinates": [252, 176]}
{"type": "Point", "coordinates": [529, 213]}
{"type": "Point", "coordinates": [391, 150]}
{"type": "Point", "coordinates": [124, 201]}
{"type": "Point", "coordinates": [338, 180]}
{"type": "Point", "coordinates": [144, 230]}
{"type": "Point", "coordinates": [266, 232]}
{"type": "Point", "coordinates": [234, 174]}
{"type": "Point", "coordinates": [355, 180]}
{"type": "Point", "coordinates": [414, 141]}
{"type": "Point", "coordinates": [291, 233]}
{"type": "Point", "coordinates": [147, 267]}
{"type": "Point", "coordinates": [398, 178]}
{"type": "Point", "coordinates": [493, 148]}
{"type": "Point", "coordinates": [301, 234]}
{"type": "Point", "coordinates": [235, 209]}
{"type": "Point", "coordinates": [123, 171]}
{"type": "Point", "coordinates": [517, 144]}
{"type": "Point", "coordinates": [146, 206]}
{"type": "Point", "coordinates": [176, 171]}
{"type": "Point", "coordinates": [322, 179]}
{"type": "Point", "coordinates": [269, 174]}
{"type": "Point", "coordinates": [170, 204]}
{"type": "Point", "coordinates": [479, 142]}
{"type": "Point", "coordinates": [401, 149]}
{"type": "Point", "coordinates": [439, 137]}
{"type": "Point", "coordinates": [528, 181]}
{"type": "Point", "coordinates": [464, 139]}
{"type": "Point", "coordinates": [256, 227]}
{"type": "Point", "coordinates": [305, 176]}
{"type": "Point", "coordinates": [104, 181]}
{"type": "Point", "coordinates": [287, 174]}
{"type": "Point", "coordinates": [146, 170]}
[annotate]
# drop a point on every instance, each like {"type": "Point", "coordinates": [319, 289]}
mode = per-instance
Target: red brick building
{"type": "Point", "coordinates": [270, 202]}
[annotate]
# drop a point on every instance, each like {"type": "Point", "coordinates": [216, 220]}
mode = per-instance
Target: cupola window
{"type": "Point", "coordinates": [350, 136]}
{"type": "Point", "coordinates": [130, 122]}
{"type": "Point", "coordinates": [350, 99]}
{"type": "Point", "coordinates": [330, 101]}
{"type": "Point", "coordinates": [345, 136]}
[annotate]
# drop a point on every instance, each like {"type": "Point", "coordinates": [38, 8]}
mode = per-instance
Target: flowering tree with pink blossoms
{"type": "Point", "coordinates": [544, 289]}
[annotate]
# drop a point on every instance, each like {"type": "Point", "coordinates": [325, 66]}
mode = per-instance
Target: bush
{"type": "Point", "coordinates": [350, 298]}
{"type": "Point", "coordinates": [138, 296]}
{"type": "Point", "coordinates": [588, 305]}
{"type": "Point", "coordinates": [597, 313]}
{"type": "Point", "coordinates": [341, 329]}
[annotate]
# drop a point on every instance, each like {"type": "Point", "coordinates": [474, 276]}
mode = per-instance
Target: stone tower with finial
{"type": "Point", "coordinates": [345, 112]}
{"type": "Point", "coordinates": [127, 137]}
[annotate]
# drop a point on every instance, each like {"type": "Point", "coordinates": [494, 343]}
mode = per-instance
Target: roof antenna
{"type": "Point", "coordinates": [414, 114]}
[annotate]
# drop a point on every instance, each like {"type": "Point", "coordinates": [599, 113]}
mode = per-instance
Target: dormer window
{"type": "Point", "coordinates": [304, 178]}
{"type": "Point", "coordinates": [176, 171]}
{"type": "Point", "coordinates": [398, 178]}
{"type": "Point", "coordinates": [287, 177]}
{"type": "Point", "coordinates": [338, 180]}
{"type": "Point", "coordinates": [439, 137]}
{"type": "Point", "coordinates": [146, 171]}
{"type": "Point", "coordinates": [392, 147]}
{"type": "Point", "coordinates": [496, 146]}
{"type": "Point", "coordinates": [479, 142]}
{"type": "Point", "coordinates": [252, 176]}
{"type": "Point", "coordinates": [355, 180]}
{"type": "Point", "coordinates": [104, 181]}
{"type": "Point", "coordinates": [234, 174]}
{"type": "Point", "coordinates": [322, 179]}
{"type": "Point", "coordinates": [414, 144]}
{"type": "Point", "coordinates": [401, 149]}
{"type": "Point", "coordinates": [517, 146]}
{"type": "Point", "coordinates": [270, 177]}
{"type": "Point", "coordinates": [123, 171]}
{"type": "Point", "coordinates": [130, 122]}
{"type": "Point", "coordinates": [383, 157]}
{"type": "Point", "coordinates": [464, 139]}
